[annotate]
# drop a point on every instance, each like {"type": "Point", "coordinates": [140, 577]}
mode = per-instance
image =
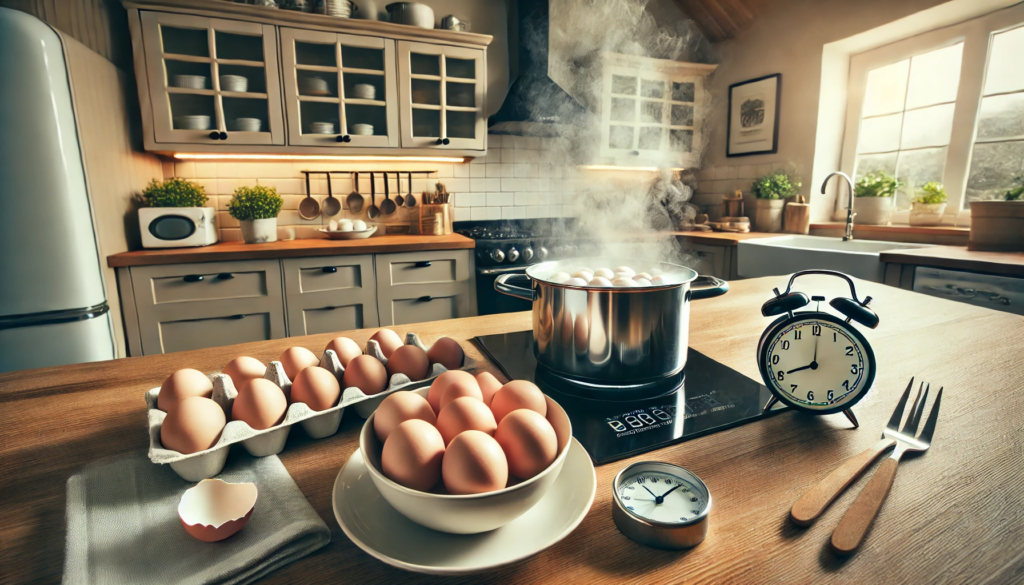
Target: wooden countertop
{"type": "Point", "coordinates": [959, 258]}
{"type": "Point", "coordinates": [955, 514]}
{"type": "Point", "coordinates": [722, 238]}
{"type": "Point", "coordinates": [290, 249]}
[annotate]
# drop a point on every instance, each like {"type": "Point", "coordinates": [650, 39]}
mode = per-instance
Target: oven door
{"type": "Point", "coordinates": [490, 301]}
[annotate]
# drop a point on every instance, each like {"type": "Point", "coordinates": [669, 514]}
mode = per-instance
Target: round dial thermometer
{"type": "Point", "coordinates": [661, 505]}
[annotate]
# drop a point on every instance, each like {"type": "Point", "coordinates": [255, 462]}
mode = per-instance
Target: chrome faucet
{"type": "Point", "coordinates": [849, 209]}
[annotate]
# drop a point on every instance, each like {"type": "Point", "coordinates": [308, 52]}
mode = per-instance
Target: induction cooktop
{"type": "Point", "coordinates": [707, 397]}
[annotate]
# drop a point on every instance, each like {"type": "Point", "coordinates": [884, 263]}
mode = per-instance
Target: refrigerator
{"type": "Point", "coordinates": [53, 305]}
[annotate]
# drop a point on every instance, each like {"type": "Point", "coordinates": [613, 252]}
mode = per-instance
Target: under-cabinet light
{"type": "Point", "coordinates": [624, 168]}
{"type": "Point", "coordinates": [315, 157]}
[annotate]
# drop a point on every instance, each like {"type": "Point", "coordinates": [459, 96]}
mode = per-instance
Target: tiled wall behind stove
{"type": "Point", "coordinates": [521, 177]}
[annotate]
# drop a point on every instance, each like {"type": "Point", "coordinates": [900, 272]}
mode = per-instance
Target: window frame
{"type": "Point", "coordinates": [976, 35]}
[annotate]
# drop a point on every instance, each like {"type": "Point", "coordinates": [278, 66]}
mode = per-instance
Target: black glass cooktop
{"type": "Point", "coordinates": [706, 398]}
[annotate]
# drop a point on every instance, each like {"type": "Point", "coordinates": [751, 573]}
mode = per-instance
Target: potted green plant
{"type": "Point", "coordinates": [929, 204]}
{"type": "Point", "coordinates": [998, 226]}
{"type": "Point", "coordinates": [771, 192]}
{"type": "Point", "coordinates": [875, 193]}
{"type": "Point", "coordinates": [174, 215]}
{"type": "Point", "coordinates": [256, 209]}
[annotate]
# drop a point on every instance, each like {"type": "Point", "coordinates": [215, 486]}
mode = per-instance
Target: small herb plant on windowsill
{"type": "Point", "coordinates": [256, 209]}
{"type": "Point", "coordinates": [998, 226]}
{"type": "Point", "coordinates": [875, 193]}
{"type": "Point", "coordinates": [928, 205]}
{"type": "Point", "coordinates": [771, 192]}
{"type": "Point", "coordinates": [193, 224]}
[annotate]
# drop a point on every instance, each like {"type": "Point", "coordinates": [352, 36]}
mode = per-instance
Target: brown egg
{"type": "Point", "coordinates": [515, 395]}
{"type": "Point", "coordinates": [346, 349]}
{"type": "Point", "coordinates": [317, 387]}
{"type": "Point", "coordinates": [242, 369]}
{"type": "Point", "coordinates": [465, 414]}
{"type": "Point", "coordinates": [181, 385]}
{"type": "Point", "coordinates": [193, 425]}
{"type": "Point", "coordinates": [409, 360]}
{"type": "Point", "coordinates": [296, 359]}
{"type": "Point", "coordinates": [474, 464]}
{"type": "Point", "coordinates": [412, 455]}
{"type": "Point", "coordinates": [398, 408]}
{"type": "Point", "coordinates": [459, 391]}
{"type": "Point", "coordinates": [366, 373]}
{"type": "Point", "coordinates": [389, 341]}
{"type": "Point", "coordinates": [488, 386]}
{"type": "Point", "coordinates": [447, 352]}
{"type": "Point", "coordinates": [260, 404]}
{"type": "Point", "coordinates": [529, 442]}
{"type": "Point", "coordinates": [450, 378]}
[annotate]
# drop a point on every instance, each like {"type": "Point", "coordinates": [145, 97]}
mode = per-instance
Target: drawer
{"type": "Point", "coordinates": [424, 286]}
{"type": "Point", "coordinates": [330, 294]}
{"type": "Point", "coordinates": [179, 283]}
{"type": "Point", "coordinates": [333, 319]}
{"type": "Point", "coordinates": [401, 305]}
{"type": "Point", "coordinates": [423, 267]}
{"type": "Point", "coordinates": [190, 334]}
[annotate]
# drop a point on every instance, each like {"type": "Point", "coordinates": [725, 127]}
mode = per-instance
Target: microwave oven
{"type": "Point", "coordinates": [177, 227]}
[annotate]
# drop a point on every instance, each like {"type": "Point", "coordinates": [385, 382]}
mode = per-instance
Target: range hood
{"type": "Point", "coordinates": [535, 104]}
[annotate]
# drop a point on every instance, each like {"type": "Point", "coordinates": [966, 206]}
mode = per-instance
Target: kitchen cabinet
{"type": "Point", "coordinates": [191, 100]}
{"type": "Point", "coordinates": [331, 293]}
{"type": "Point", "coordinates": [424, 286]}
{"type": "Point", "coordinates": [442, 96]}
{"type": "Point", "coordinates": [346, 81]}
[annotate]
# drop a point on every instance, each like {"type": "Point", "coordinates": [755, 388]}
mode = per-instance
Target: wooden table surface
{"type": "Point", "coordinates": [959, 258]}
{"type": "Point", "coordinates": [225, 251]}
{"type": "Point", "coordinates": [955, 514]}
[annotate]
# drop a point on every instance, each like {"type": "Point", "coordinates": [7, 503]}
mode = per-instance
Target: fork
{"type": "Point", "coordinates": [855, 523]}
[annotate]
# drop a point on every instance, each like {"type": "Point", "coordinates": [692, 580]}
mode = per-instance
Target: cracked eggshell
{"type": "Point", "coordinates": [213, 509]}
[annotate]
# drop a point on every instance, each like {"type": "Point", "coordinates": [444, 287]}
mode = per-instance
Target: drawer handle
{"type": "Point", "coordinates": [329, 269]}
{"type": "Point", "coordinates": [225, 276]}
{"type": "Point", "coordinates": [193, 278]}
{"type": "Point", "coordinates": [422, 265]}
{"type": "Point", "coordinates": [237, 317]}
{"type": "Point", "coordinates": [425, 299]}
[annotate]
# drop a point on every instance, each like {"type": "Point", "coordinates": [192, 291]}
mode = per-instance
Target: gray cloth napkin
{"type": "Point", "coordinates": [123, 525]}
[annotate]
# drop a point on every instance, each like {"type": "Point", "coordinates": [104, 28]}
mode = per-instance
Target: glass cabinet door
{"type": "Point", "coordinates": [212, 81]}
{"type": "Point", "coordinates": [339, 89]}
{"type": "Point", "coordinates": [442, 96]}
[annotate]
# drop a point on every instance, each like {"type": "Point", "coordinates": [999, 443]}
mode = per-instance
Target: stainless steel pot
{"type": "Point", "coordinates": [610, 335]}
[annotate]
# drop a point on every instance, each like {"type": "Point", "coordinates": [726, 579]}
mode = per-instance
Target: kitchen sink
{"type": "Point", "coordinates": [788, 254]}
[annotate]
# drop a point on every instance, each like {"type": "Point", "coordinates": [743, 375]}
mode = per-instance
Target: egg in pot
{"type": "Point", "coordinates": [409, 360]}
{"type": "Point", "coordinates": [447, 352]}
{"type": "Point", "coordinates": [398, 408]}
{"type": "Point", "coordinates": [181, 385]}
{"type": "Point", "coordinates": [528, 441]}
{"type": "Point", "coordinates": [296, 359]}
{"type": "Point", "coordinates": [412, 455]}
{"type": "Point", "coordinates": [518, 394]}
{"type": "Point", "coordinates": [464, 380]}
{"type": "Point", "coordinates": [346, 349]}
{"type": "Point", "coordinates": [464, 414]}
{"type": "Point", "coordinates": [194, 424]}
{"type": "Point", "coordinates": [488, 386]}
{"type": "Point", "coordinates": [625, 270]}
{"type": "Point", "coordinates": [366, 373]}
{"type": "Point", "coordinates": [474, 463]}
{"type": "Point", "coordinates": [577, 281]}
{"type": "Point", "coordinates": [316, 387]}
{"type": "Point", "coordinates": [260, 404]}
{"type": "Point", "coordinates": [600, 281]}
{"type": "Point", "coordinates": [242, 369]}
{"type": "Point", "coordinates": [603, 273]}
{"type": "Point", "coordinates": [388, 340]}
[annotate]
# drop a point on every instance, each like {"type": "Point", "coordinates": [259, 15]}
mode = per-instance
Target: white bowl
{"type": "Point", "coordinates": [350, 235]}
{"type": "Point", "coordinates": [234, 83]}
{"type": "Point", "coordinates": [247, 124]}
{"type": "Point", "coordinates": [321, 128]}
{"type": "Point", "coordinates": [313, 84]}
{"type": "Point", "coordinates": [364, 91]}
{"type": "Point", "coordinates": [362, 129]}
{"type": "Point", "coordinates": [470, 514]}
{"type": "Point", "coordinates": [190, 81]}
{"type": "Point", "coordinates": [192, 122]}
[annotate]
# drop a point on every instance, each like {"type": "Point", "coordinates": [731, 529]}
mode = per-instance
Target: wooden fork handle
{"type": "Point", "coordinates": [854, 525]}
{"type": "Point", "coordinates": [811, 505]}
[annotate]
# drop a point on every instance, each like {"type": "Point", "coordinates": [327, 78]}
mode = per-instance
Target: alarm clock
{"type": "Point", "coordinates": [813, 360]}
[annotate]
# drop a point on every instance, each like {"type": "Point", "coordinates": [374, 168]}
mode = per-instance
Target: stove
{"type": "Point", "coordinates": [707, 397]}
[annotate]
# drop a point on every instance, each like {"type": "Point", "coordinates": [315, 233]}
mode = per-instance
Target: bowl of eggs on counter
{"type": "Point", "coordinates": [348, 229]}
{"type": "Point", "coordinates": [468, 454]}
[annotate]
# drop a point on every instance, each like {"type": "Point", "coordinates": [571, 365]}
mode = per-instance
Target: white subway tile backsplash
{"type": "Point", "coordinates": [479, 213]}
{"type": "Point", "coordinates": [493, 170]}
{"type": "Point", "coordinates": [227, 186]}
{"type": "Point", "coordinates": [494, 141]}
{"type": "Point", "coordinates": [477, 170]}
{"type": "Point", "coordinates": [525, 198]}
{"type": "Point", "coordinates": [205, 170]}
{"type": "Point", "coordinates": [184, 170]}
{"type": "Point", "coordinates": [499, 199]}
{"type": "Point", "coordinates": [463, 214]}
{"type": "Point", "coordinates": [457, 185]}
{"type": "Point", "coordinates": [479, 199]}
{"type": "Point", "coordinates": [508, 155]}
{"type": "Point", "coordinates": [461, 170]}
{"type": "Point", "coordinates": [485, 185]}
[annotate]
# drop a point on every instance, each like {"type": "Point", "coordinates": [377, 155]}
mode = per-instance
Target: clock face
{"type": "Point", "coordinates": [662, 497]}
{"type": "Point", "coordinates": [817, 362]}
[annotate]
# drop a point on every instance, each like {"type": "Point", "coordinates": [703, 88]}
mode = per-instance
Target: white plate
{"type": "Point", "coordinates": [349, 235]}
{"type": "Point", "coordinates": [380, 530]}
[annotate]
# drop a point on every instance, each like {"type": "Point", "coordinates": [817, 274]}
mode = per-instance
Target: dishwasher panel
{"type": "Point", "coordinates": [1000, 293]}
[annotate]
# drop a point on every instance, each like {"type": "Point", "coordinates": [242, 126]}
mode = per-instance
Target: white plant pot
{"type": "Point", "coordinates": [259, 231]}
{"type": "Point", "coordinates": [926, 213]}
{"type": "Point", "coordinates": [873, 210]}
{"type": "Point", "coordinates": [768, 215]}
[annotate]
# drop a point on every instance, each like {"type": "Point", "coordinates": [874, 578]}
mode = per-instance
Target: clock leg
{"type": "Point", "coordinates": [771, 402]}
{"type": "Point", "coordinates": [853, 419]}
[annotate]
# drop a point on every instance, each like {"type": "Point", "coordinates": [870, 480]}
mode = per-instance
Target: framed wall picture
{"type": "Point", "coordinates": [753, 122]}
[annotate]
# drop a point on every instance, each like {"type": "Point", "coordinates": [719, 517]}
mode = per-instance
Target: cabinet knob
{"type": "Point", "coordinates": [223, 136]}
{"type": "Point", "coordinates": [425, 299]}
{"type": "Point", "coordinates": [422, 265]}
{"type": "Point", "coordinates": [214, 135]}
{"type": "Point", "coordinates": [329, 269]}
{"type": "Point", "coordinates": [344, 138]}
{"type": "Point", "coordinates": [193, 277]}
{"type": "Point", "coordinates": [225, 276]}
{"type": "Point", "coordinates": [635, 153]}
{"type": "Point", "coordinates": [445, 141]}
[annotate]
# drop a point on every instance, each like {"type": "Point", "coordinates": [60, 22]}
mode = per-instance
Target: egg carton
{"type": "Point", "coordinates": [262, 443]}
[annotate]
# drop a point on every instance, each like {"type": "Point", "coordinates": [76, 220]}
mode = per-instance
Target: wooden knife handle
{"type": "Point", "coordinates": [811, 505]}
{"type": "Point", "coordinates": [854, 525]}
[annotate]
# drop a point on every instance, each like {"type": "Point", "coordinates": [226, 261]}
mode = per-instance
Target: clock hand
{"type": "Point", "coordinates": [807, 367]}
{"type": "Point", "coordinates": [650, 492]}
{"type": "Point", "coordinates": [671, 490]}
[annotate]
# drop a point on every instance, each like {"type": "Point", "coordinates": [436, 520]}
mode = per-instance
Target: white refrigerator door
{"type": "Point", "coordinates": [39, 346]}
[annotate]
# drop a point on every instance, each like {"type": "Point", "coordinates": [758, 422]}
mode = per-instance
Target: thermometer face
{"type": "Point", "coordinates": [662, 497]}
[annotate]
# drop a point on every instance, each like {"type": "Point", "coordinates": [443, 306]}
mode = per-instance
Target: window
{"type": "Point", "coordinates": [944, 106]}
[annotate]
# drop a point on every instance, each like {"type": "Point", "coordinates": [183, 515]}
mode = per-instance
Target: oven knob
{"type": "Point", "coordinates": [497, 255]}
{"type": "Point", "coordinates": [542, 253]}
{"type": "Point", "coordinates": [527, 254]}
{"type": "Point", "coordinates": [513, 254]}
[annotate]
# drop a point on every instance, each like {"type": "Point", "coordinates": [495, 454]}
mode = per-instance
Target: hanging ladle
{"type": "Point", "coordinates": [399, 200]}
{"type": "Point", "coordinates": [331, 205]}
{"type": "Point", "coordinates": [373, 212]}
{"type": "Point", "coordinates": [387, 207]}
{"type": "Point", "coordinates": [354, 199]}
{"type": "Point", "coordinates": [309, 208]}
{"type": "Point", "coordinates": [410, 201]}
